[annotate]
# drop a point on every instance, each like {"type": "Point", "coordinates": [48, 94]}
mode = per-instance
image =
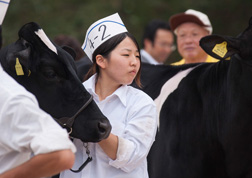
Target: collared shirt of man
{"type": "Point", "coordinates": [209, 59]}
{"type": "Point", "coordinates": [26, 130]}
{"type": "Point", "coordinates": [147, 58]}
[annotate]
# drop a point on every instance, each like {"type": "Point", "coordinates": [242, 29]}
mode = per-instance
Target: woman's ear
{"type": "Point", "coordinates": [100, 61]}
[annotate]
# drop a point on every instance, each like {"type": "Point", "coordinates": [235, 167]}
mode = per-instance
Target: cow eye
{"type": "Point", "coordinates": [50, 74]}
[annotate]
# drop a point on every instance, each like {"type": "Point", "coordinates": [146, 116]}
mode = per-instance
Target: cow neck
{"type": "Point", "coordinates": [242, 61]}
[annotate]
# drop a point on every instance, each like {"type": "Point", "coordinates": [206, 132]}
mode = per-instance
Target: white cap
{"type": "Point", "coordinates": [3, 8]}
{"type": "Point", "coordinates": [191, 16]}
{"type": "Point", "coordinates": [101, 31]}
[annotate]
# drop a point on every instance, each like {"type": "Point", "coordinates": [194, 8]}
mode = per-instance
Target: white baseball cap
{"type": "Point", "coordinates": [101, 31]}
{"type": "Point", "coordinates": [190, 16]}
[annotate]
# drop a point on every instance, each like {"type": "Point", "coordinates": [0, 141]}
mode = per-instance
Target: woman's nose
{"type": "Point", "coordinates": [134, 60]}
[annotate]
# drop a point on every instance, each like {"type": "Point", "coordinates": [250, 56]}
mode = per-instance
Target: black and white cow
{"type": "Point", "coordinates": [205, 126]}
{"type": "Point", "coordinates": [48, 72]}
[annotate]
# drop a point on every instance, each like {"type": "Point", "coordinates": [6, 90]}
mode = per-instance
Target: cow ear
{"type": "Point", "coordinates": [70, 51]}
{"type": "Point", "coordinates": [19, 62]}
{"type": "Point", "coordinates": [220, 47]}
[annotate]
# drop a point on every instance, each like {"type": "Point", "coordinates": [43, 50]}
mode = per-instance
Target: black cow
{"type": "Point", "coordinates": [50, 74]}
{"type": "Point", "coordinates": [205, 113]}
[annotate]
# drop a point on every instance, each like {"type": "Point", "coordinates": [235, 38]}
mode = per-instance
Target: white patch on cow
{"type": "Point", "coordinates": [41, 34]}
{"type": "Point", "coordinates": [168, 88]}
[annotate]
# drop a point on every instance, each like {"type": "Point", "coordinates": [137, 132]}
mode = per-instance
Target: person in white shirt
{"type": "Point", "coordinates": [157, 42]}
{"type": "Point", "coordinates": [131, 112]}
{"type": "Point", "coordinates": [32, 144]}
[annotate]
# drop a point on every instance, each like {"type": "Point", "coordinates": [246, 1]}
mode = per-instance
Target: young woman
{"type": "Point", "coordinates": [132, 113]}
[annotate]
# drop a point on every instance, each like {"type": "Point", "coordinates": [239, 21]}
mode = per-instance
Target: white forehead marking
{"type": "Point", "coordinates": [41, 34]}
{"type": "Point", "coordinates": [168, 88]}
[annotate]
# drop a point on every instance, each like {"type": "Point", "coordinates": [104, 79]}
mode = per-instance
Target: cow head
{"type": "Point", "coordinates": [222, 47]}
{"type": "Point", "coordinates": [48, 71]}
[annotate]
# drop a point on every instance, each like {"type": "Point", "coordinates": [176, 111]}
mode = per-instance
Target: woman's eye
{"type": "Point", "coordinates": [125, 55]}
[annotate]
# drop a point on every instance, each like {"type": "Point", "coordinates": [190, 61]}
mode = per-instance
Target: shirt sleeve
{"type": "Point", "coordinates": [32, 130]}
{"type": "Point", "coordinates": [140, 131]}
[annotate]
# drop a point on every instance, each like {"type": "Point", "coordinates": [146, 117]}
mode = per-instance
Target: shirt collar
{"type": "Point", "coordinates": [121, 92]}
{"type": "Point", "coordinates": [149, 58]}
{"type": "Point", "coordinates": [208, 59]}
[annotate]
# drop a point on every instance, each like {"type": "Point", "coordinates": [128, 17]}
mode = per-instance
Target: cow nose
{"type": "Point", "coordinates": [104, 128]}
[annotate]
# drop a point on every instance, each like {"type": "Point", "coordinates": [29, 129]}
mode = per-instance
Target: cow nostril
{"type": "Point", "coordinates": [102, 127]}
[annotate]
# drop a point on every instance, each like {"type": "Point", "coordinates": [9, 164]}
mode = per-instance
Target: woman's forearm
{"type": "Point", "coordinates": [110, 146]}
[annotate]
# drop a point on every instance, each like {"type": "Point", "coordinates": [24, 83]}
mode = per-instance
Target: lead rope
{"type": "Point", "coordinates": [89, 159]}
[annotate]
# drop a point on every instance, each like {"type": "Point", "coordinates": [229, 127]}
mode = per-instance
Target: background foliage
{"type": "Point", "coordinates": [73, 17]}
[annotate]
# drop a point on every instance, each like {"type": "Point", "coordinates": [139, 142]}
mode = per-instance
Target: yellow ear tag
{"type": "Point", "coordinates": [18, 67]}
{"type": "Point", "coordinates": [220, 49]}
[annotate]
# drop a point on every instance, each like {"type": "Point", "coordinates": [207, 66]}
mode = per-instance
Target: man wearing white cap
{"type": "Point", "coordinates": [116, 60]}
{"type": "Point", "coordinates": [190, 27]}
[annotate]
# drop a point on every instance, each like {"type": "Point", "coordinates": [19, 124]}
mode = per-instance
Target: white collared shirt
{"type": "Point", "coordinates": [25, 129]}
{"type": "Point", "coordinates": [133, 117]}
{"type": "Point", "coordinates": [148, 58]}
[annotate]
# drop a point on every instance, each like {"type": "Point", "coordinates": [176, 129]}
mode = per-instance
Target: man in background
{"type": "Point", "coordinates": [190, 27]}
{"type": "Point", "coordinates": [157, 42]}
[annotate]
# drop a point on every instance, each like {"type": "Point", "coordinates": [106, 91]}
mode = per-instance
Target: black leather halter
{"type": "Point", "coordinates": [67, 122]}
